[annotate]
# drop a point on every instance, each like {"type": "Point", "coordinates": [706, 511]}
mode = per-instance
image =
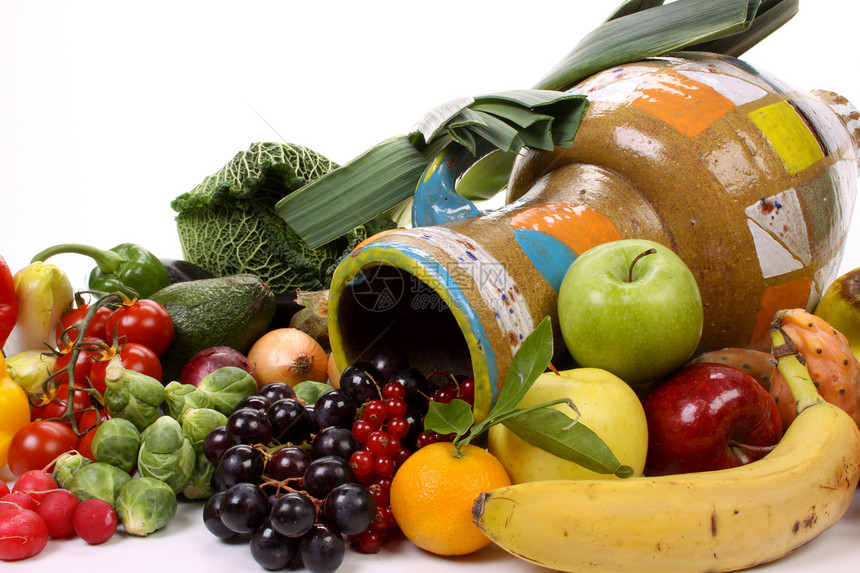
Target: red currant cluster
{"type": "Point", "coordinates": [464, 389]}
{"type": "Point", "coordinates": [379, 429]}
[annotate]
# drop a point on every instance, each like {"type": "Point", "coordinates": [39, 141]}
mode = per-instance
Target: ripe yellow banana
{"type": "Point", "coordinates": [710, 521]}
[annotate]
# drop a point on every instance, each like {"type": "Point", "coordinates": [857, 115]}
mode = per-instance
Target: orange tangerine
{"type": "Point", "coordinates": [432, 495]}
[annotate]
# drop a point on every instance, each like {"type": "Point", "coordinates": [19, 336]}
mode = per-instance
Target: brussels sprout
{"type": "Point", "coordinates": [228, 386]}
{"type": "Point", "coordinates": [200, 486]}
{"type": "Point", "coordinates": [309, 391]}
{"type": "Point", "coordinates": [166, 454]}
{"type": "Point", "coordinates": [98, 479]}
{"type": "Point", "coordinates": [117, 442]}
{"type": "Point", "coordinates": [180, 397]}
{"type": "Point", "coordinates": [66, 465]}
{"type": "Point", "coordinates": [198, 422]}
{"type": "Point", "coordinates": [144, 505]}
{"type": "Point", "coordinates": [132, 395]}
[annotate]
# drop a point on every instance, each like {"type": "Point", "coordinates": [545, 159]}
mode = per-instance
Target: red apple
{"type": "Point", "coordinates": [708, 417]}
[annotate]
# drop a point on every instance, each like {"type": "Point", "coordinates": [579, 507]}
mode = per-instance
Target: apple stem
{"type": "Point", "coordinates": [553, 369]}
{"type": "Point", "coordinates": [650, 251]}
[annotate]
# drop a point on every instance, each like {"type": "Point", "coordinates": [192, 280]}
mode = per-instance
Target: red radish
{"type": "Point", "coordinates": [17, 500]}
{"type": "Point", "coordinates": [94, 520]}
{"type": "Point", "coordinates": [35, 483]}
{"type": "Point", "coordinates": [23, 534]}
{"type": "Point", "coordinates": [57, 509]}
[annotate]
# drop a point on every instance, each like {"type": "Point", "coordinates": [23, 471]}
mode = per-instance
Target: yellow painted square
{"type": "Point", "coordinates": [789, 136]}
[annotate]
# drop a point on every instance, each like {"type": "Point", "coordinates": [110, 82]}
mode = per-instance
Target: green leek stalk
{"type": "Point", "coordinates": [44, 292]}
{"type": "Point", "coordinates": [386, 176]}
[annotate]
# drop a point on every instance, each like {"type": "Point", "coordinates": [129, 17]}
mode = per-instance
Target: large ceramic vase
{"type": "Point", "coordinates": [751, 182]}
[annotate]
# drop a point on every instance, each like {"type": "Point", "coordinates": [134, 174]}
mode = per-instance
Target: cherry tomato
{"type": "Point", "coordinates": [91, 418]}
{"type": "Point", "coordinates": [135, 357]}
{"type": "Point", "coordinates": [56, 408]}
{"type": "Point", "coordinates": [36, 445]}
{"type": "Point", "coordinates": [145, 322]}
{"type": "Point", "coordinates": [96, 328]}
{"type": "Point", "coordinates": [85, 445]}
{"type": "Point", "coordinates": [86, 358]}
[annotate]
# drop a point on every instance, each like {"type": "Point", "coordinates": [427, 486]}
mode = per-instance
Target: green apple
{"type": "Point", "coordinates": [840, 307]}
{"type": "Point", "coordinates": [632, 307]}
{"type": "Point", "coordinates": [607, 405]}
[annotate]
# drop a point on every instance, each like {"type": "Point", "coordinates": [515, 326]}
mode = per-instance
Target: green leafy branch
{"type": "Point", "coordinates": [541, 426]}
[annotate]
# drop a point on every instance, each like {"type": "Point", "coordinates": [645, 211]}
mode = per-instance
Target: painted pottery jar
{"type": "Point", "coordinates": [750, 181]}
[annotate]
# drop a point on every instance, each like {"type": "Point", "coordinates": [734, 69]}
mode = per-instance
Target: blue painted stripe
{"type": "Point", "coordinates": [550, 256]}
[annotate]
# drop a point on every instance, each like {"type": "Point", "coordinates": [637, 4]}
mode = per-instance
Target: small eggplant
{"type": "Point", "coordinates": [179, 270]}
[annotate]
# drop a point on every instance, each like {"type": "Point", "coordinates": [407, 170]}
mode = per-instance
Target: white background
{"type": "Point", "coordinates": [109, 110]}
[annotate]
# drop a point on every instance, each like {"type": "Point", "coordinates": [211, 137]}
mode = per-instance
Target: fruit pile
{"type": "Point", "coordinates": [298, 478]}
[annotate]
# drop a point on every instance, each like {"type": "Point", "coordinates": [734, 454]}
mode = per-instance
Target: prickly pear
{"type": "Point", "coordinates": [833, 367]}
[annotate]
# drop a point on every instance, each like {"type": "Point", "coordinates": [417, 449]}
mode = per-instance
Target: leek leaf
{"type": "Point", "coordinates": [542, 117]}
{"type": "Point", "coordinates": [771, 15]}
{"type": "Point", "coordinates": [387, 174]}
{"type": "Point", "coordinates": [486, 177]}
{"type": "Point", "coordinates": [391, 169]}
{"type": "Point", "coordinates": [631, 6]}
{"type": "Point", "coordinates": [650, 32]}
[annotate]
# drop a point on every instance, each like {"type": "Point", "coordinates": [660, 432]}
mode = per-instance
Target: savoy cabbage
{"type": "Point", "coordinates": [228, 224]}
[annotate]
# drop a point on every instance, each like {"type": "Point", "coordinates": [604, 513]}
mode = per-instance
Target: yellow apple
{"type": "Point", "coordinates": [607, 405]}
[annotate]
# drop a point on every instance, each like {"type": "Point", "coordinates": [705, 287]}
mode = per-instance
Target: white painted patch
{"type": "Point", "coordinates": [773, 258]}
{"type": "Point", "coordinates": [736, 90]}
{"type": "Point", "coordinates": [782, 217]}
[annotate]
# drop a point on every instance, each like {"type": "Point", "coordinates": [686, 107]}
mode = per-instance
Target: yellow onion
{"type": "Point", "coordinates": [288, 355]}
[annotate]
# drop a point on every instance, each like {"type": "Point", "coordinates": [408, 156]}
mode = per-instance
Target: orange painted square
{"type": "Point", "coordinates": [685, 104]}
{"type": "Point", "coordinates": [793, 294]}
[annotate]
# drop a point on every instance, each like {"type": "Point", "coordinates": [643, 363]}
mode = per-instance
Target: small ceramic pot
{"type": "Point", "coordinates": [751, 182]}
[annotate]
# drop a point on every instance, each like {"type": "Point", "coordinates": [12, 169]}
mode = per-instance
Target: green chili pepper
{"type": "Point", "coordinates": [127, 268]}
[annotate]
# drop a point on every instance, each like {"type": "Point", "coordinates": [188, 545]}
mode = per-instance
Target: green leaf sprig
{"type": "Point", "coordinates": [541, 425]}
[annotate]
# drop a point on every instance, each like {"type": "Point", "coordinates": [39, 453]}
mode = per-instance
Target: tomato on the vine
{"type": "Point", "coordinates": [58, 405]}
{"type": "Point", "coordinates": [134, 356]}
{"type": "Point", "coordinates": [89, 419]}
{"type": "Point", "coordinates": [145, 322]}
{"type": "Point", "coordinates": [36, 445]}
{"type": "Point", "coordinates": [96, 328]}
{"type": "Point", "coordinates": [87, 356]}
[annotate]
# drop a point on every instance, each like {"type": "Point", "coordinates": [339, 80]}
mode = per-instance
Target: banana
{"type": "Point", "coordinates": [710, 521]}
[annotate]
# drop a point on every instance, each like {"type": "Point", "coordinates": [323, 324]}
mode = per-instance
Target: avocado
{"type": "Point", "coordinates": [223, 311]}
